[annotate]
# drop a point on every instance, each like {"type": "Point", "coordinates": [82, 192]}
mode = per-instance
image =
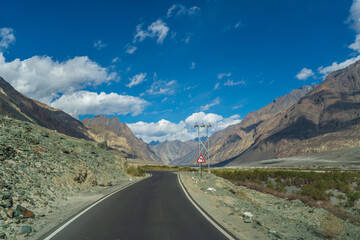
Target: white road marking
{"type": "Point", "coordinates": [204, 214]}
{"type": "Point", "coordinates": [87, 209]}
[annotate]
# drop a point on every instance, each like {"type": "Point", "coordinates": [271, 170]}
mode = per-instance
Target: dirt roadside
{"type": "Point", "coordinates": [249, 214]}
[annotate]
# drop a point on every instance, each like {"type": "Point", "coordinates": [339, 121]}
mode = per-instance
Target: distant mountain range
{"type": "Point", "coordinates": [311, 119]}
{"type": "Point", "coordinates": [308, 120]}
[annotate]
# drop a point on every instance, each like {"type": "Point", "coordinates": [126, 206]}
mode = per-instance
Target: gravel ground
{"type": "Point", "coordinates": [250, 214]}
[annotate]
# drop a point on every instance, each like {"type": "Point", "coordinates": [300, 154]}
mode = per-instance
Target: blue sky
{"type": "Point", "coordinates": [163, 65]}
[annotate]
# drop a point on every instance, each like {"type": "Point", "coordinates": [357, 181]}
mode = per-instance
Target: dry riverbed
{"type": "Point", "coordinates": [250, 214]}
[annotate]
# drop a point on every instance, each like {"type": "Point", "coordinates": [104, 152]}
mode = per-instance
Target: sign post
{"type": "Point", "coordinates": [200, 161]}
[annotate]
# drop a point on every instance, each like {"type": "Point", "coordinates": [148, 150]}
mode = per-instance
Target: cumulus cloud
{"type": "Point", "coordinates": [165, 130]}
{"type": "Point", "coordinates": [130, 49]}
{"type": "Point", "coordinates": [221, 75]}
{"type": "Point", "coordinates": [336, 66]}
{"type": "Point", "coordinates": [136, 80]}
{"type": "Point", "coordinates": [99, 45]}
{"type": "Point", "coordinates": [157, 29]}
{"type": "Point", "coordinates": [208, 106]}
{"type": "Point", "coordinates": [7, 37]}
{"type": "Point", "coordinates": [230, 82]}
{"type": "Point", "coordinates": [354, 20]}
{"type": "Point", "coordinates": [94, 103]}
{"type": "Point", "coordinates": [304, 74]}
{"type": "Point", "coordinates": [193, 64]}
{"type": "Point", "coordinates": [43, 78]}
{"type": "Point", "coordinates": [178, 9]}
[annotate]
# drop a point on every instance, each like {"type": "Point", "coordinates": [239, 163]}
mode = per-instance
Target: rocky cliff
{"type": "Point", "coordinates": [16, 105]}
{"type": "Point", "coordinates": [119, 136]}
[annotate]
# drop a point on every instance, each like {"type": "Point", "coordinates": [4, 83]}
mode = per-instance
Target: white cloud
{"type": "Point", "coordinates": [336, 66]}
{"type": "Point", "coordinates": [238, 25]}
{"type": "Point", "coordinates": [304, 74]}
{"type": "Point", "coordinates": [221, 75]}
{"type": "Point", "coordinates": [162, 87]}
{"type": "Point", "coordinates": [354, 20]}
{"type": "Point", "coordinates": [230, 82]}
{"type": "Point", "coordinates": [7, 37]}
{"type": "Point", "coordinates": [130, 49]}
{"type": "Point", "coordinates": [136, 80]}
{"type": "Point", "coordinates": [193, 64]}
{"type": "Point", "coordinates": [93, 103]}
{"type": "Point", "coordinates": [99, 45]}
{"type": "Point", "coordinates": [115, 60]}
{"type": "Point", "coordinates": [165, 130]}
{"type": "Point", "coordinates": [187, 37]}
{"type": "Point", "coordinates": [216, 86]}
{"type": "Point", "coordinates": [43, 78]}
{"type": "Point", "coordinates": [178, 9]}
{"type": "Point", "coordinates": [157, 29]}
{"type": "Point", "coordinates": [208, 106]}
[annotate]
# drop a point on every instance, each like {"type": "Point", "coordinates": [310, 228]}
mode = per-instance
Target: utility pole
{"type": "Point", "coordinates": [208, 147]}
{"type": "Point", "coordinates": [203, 146]}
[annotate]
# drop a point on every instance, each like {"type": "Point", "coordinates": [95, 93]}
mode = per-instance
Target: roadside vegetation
{"type": "Point", "coordinates": [168, 168]}
{"type": "Point", "coordinates": [136, 171]}
{"type": "Point", "coordinates": [334, 191]}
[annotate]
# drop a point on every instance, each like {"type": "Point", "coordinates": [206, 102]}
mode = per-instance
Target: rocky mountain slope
{"type": "Point", "coordinates": [119, 136]}
{"type": "Point", "coordinates": [40, 167]}
{"type": "Point", "coordinates": [169, 151]}
{"type": "Point", "coordinates": [16, 105]}
{"type": "Point", "coordinates": [306, 121]}
{"type": "Point", "coordinates": [235, 139]}
{"type": "Point", "coordinates": [326, 119]}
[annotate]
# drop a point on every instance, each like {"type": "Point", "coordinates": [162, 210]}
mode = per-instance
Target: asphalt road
{"type": "Point", "coordinates": [155, 208]}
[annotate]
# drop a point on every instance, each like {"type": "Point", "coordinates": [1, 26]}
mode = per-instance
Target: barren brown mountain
{"type": "Point", "coordinates": [235, 139]}
{"type": "Point", "coordinates": [16, 105]}
{"type": "Point", "coordinates": [172, 150]}
{"type": "Point", "coordinates": [305, 121]}
{"type": "Point", "coordinates": [119, 136]}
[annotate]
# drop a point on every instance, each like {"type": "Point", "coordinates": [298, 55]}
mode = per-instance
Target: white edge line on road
{"type": "Point", "coordinates": [204, 214]}
{"type": "Point", "coordinates": [87, 209]}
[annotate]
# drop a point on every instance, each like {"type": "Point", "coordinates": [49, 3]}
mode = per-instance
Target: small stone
{"type": "Point", "coordinates": [25, 229]}
{"type": "Point", "coordinates": [28, 214]}
{"type": "Point", "coordinates": [247, 220]}
{"type": "Point", "coordinates": [10, 213]}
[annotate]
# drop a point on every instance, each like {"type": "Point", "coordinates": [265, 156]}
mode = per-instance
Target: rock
{"type": "Point", "coordinates": [247, 220]}
{"type": "Point", "coordinates": [28, 214]}
{"type": "Point", "coordinates": [20, 209]}
{"type": "Point", "coordinates": [25, 229]}
{"type": "Point", "coordinates": [6, 203]}
{"type": "Point", "coordinates": [10, 213]}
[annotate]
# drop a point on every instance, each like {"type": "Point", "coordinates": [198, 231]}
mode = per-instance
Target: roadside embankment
{"type": "Point", "coordinates": [250, 214]}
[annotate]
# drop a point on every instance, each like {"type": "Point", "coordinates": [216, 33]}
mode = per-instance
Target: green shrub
{"type": "Point", "coordinates": [135, 171]}
{"type": "Point", "coordinates": [352, 197]}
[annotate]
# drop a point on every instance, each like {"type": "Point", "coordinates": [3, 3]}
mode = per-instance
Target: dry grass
{"type": "Point", "coordinates": [331, 226]}
{"type": "Point", "coordinates": [247, 198]}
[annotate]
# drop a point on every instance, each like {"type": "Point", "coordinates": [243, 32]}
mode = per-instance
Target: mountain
{"type": "Point", "coordinates": [326, 119]}
{"type": "Point", "coordinates": [119, 136]}
{"type": "Point", "coordinates": [235, 139]}
{"type": "Point", "coordinates": [169, 151]}
{"type": "Point", "coordinates": [16, 105]}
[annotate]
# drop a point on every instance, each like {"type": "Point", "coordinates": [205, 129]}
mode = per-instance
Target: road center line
{"type": "Point", "coordinates": [204, 214]}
